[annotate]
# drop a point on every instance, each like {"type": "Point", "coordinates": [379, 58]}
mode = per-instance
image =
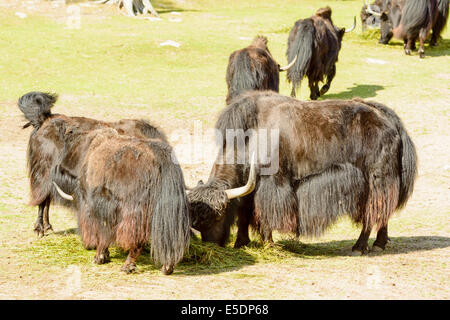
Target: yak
{"type": "Point", "coordinates": [410, 20]}
{"type": "Point", "coordinates": [127, 191]}
{"type": "Point", "coordinates": [316, 42]}
{"type": "Point", "coordinates": [253, 68]}
{"type": "Point", "coordinates": [336, 157]}
{"type": "Point", "coordinates": [368, 19]}
{"type": "Point", "coordinates": [45, 147]}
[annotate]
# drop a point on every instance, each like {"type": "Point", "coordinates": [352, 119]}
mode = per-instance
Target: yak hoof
{"type": "Point", "coordinates": [421, 54]}
{"type": "Point", "coordinates": [129, 268]}
{"type": "Point", "coordinates": [101, 259]}
{"type": "Point", "coordinates": [39, 229]}
{"type": "Point", "coordinates": [166, 270]}
{"type": "Point", "coordinates": [324, 89]}
{"type": "Point", "coordinates": [376, 248]}
{"type": "Point", "coordinates": [48, 227]}
{"type": "Point", "coordinates": [357, 253]}
{"type": "Point", "coordinates": [408, 52]}
{"type": "Point", "coordinates": [241, 243]}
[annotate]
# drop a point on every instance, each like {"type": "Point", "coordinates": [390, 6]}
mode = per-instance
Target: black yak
{"type": "Point", "coordinates": [127, 191]}
{"type": "Point", "coordinates": [253, 68]}
{"type": "Point", "coordinates": [316, 42]}
{"type": "Point", "coordinates": [410, 20]}
{"type": "Point", "coordinates": [45, 146]}
{"type": "Point", "coordinates": [335, 157]}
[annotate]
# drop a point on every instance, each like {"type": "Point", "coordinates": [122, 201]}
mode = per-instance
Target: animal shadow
{"type": "Point", "coordinates": [397, 245]}
{"type": "Point", "coordinates": [358, 90]}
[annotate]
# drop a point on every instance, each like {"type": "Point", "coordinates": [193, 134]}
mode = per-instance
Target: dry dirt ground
{"type": "Point", "coordinates": [414, 266]}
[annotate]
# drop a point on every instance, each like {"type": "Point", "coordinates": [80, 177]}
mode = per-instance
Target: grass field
{"type": "Point", "coordinates": [113, 67]}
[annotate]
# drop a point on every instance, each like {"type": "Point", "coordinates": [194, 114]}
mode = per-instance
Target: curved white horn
{"type": "Point", "coordinates": [353, 26]}
{"type": "Point", "coordinates": [369, 10]}
{"type": "Point", "coordinates": [249, 187]}
{"type": "Point", "coordinates": [62, 193]}
{"type": "Point", "coordinates": [289, 65]}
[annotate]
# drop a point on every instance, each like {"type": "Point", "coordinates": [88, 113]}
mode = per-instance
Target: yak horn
{"type": "Point", "coordinates": [62, 193]}
{"type": "Point", "coordinates": [353, 26]}
{"type": "Point", "coordinates": [289, 65]}
{"type": "Point", "coordinates": [249, 187]}
{"type": "Point", "coordinates": [374, 13]}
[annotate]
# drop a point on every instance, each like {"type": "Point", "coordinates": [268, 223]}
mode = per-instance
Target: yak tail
{"type": "Point", "coordinates": [441, 21]}
{"type": "Point", "coordinates": [407, 155]}
{"type": "Point", "coordinates": [241, 75]}
{"type": "Point", "coordinates": [300, 43]}
{"type": "Point", "coordinates": [170, 229]}
{"type": "Point", "coordinates": [36, 107]}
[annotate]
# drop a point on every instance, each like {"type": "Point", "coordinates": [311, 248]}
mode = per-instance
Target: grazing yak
{"type": "Point", "coordinates": [316, 42]}
{"type": "Point", "coordinates": [253, 68]}
{"type": "Point", "coordinates": [45, 147]}
{"type": "Point", "coordinates": [127, 191]}
{"type": "Point", "coordinates": [410, 20]}
{"type": "Point", "coordinates": [335, 157]}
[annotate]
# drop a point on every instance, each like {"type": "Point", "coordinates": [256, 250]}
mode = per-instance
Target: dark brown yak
{"type": "Point", "coordinates": [127, 191]}
{"type": "Point", "coordinates": [253, 68]}
{"type": "Point", "coordinates": [410, 20]}
{"type": "Point", "coordinates": [45, 146]}
{"type": "Point", "coordinates": [336, 157]}
{"type": "Point", "coordinates": [316, 42]}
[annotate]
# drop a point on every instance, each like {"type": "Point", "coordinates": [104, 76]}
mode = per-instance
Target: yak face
{"type": "Point", "coordinates": [208, 204]}
{"type": "Point", "coordinates": [386, 28]}
{"type": "Point", "coordinates": [368, 19]}
{"type": "Point", "coordinates": [36, 107]}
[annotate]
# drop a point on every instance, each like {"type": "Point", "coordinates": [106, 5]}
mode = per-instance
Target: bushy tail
{"type": "Point", "coordinates": [36, 107]}
{"type": "Point", "coordinates": [300, 43]}
{"type": "Point", "coordinates": [443, 7]}
{"type": "Point", "coordinates": [170, 230]}
{"type": "Point", "coordinates": [407, 155]}
{"type": "Point", "coordinates": [241, 76]}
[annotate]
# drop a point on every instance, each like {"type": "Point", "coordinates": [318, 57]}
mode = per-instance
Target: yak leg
{"type": "Point", "coordinates": [314, 87]}
{"type": "Point", "coordinates": [330, 78]}
{"type": "Point", "coordinates": [293, 91]}
{"type": "Point", "coordinates": [242, 238]}
{"type": "Point", "coordinates": [102, 255]}
{"type": "Point", "coordinates": [47, 225]}
{"type": "Point", "coordinates": [39, 224]}
{"type": "Point", "coordinates": [362, 244]}
{"type": "Point", "coordinates": [382, 239]}
{"type": "Point", "coordinates": [130, 264]}
{"type": "Point", "coordinates": [422, 37]}
{"type": "Point", "coordinates": [408, 46]}
{"type": "Point", "coordinates": [267, 235]}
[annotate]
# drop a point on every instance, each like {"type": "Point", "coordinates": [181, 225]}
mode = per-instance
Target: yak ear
{"type": "Point", "coordinates": [200, 183]}
{"type": "Point", "coordinates": [384, 16]}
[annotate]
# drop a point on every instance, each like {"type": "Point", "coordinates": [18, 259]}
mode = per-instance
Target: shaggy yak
{"type": "Point", "coordinates": [45, 147]}
{"type": "Point", "coordinates": [408, 20]}
{"type": "Point", "coordinates": [335, 157]}
{"type": "Point", "coordinates": [127, 191]}
{"type": "Point", "coordinates": [316, 42]}
{"type": "Point", "coordinates": [253, 68]}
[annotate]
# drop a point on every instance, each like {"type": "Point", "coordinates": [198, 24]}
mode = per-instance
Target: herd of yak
{"type": "Point", "coordinates": [335, 157]}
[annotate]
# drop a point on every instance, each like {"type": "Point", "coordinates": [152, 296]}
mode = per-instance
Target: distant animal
{"type": "Point", "coordinates": [335, 158]}
{"type": "Point", "coordinates": [253, 68]}
{"type": "Point", "coordinates": [316, 42]}
{"type": "Point", "coordinates": [369, 20]}
{"type": "Point", "coordinates": [45, 147]}
{"type": "Point", "coordinates": [127, 191]}
{"type": "Point", "coordinates": [410, 20]}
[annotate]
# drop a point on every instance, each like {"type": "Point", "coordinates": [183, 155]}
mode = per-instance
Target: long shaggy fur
{"type": "Point", "coordinates": [46, 143]}
{"type": "Point", "coordinates": [337, 157]}
{"type": "Point", "coordinates": [300, 43]}
{"type": "Point", "coordinates": [416, 15]}
{"type": "Point", "coordinates": [316, 41]}
{"type": "Point", "coordinates": [252, 68]}
{"type": "Point", "coordinates": [441, 20]}
{"type": "Point", "coordinates": [130, 191]}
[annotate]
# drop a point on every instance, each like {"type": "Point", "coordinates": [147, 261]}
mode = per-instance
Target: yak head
{"type": "Point", "coordinates": [386, 28]}
{"type": "Point", "coordinates": [370, 16]}
{"type": "Point", "coordinates": [325, 13]}
{"type": "Point", "coordinates": [212, 208]}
